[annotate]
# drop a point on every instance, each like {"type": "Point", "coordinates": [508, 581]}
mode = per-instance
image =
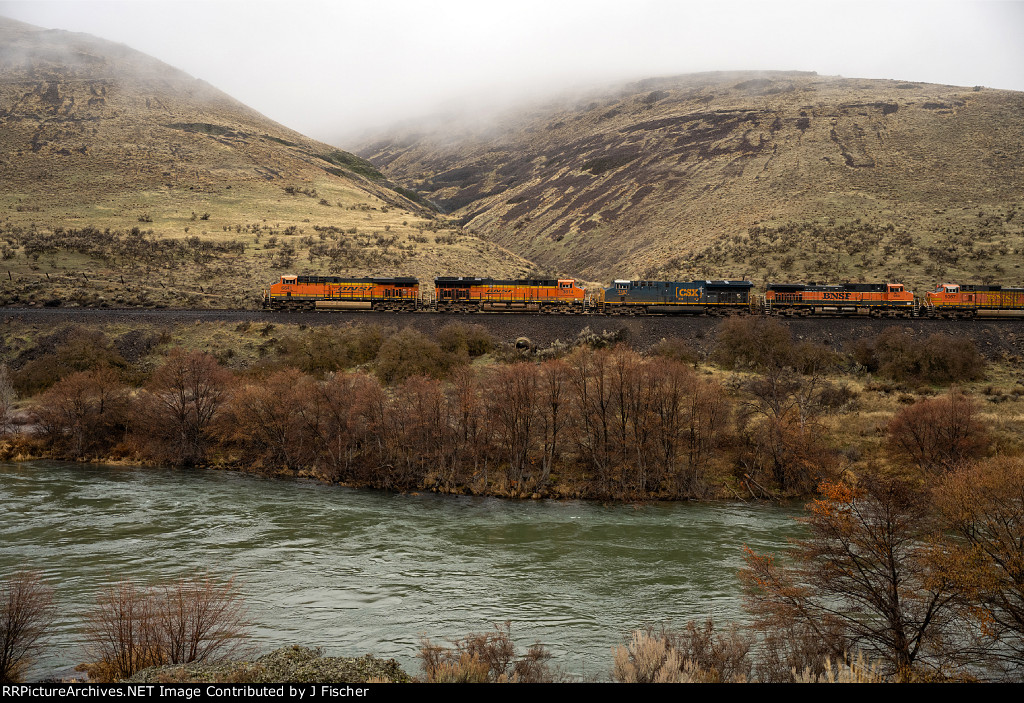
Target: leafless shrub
{"type": "Point", "coordinates": [463, 339]}
{"type": "Point", "coordinates": [938, 434]}
{"type": "Point", "coordinates": [121, 633]}
{"type": "Point", "coordinates": [724, 656]}
{"type": "Point", "coordinates": [201, 619]}
{"type": "Point", "coordinates": [676, 349]}
{"type": "Point", "coordinates": [790, 647]}
{"type": "Point", "coordinates": [26, 606]}
{"type": "Point", "coordinates": [938, 359]}
{"type": "Point", "coordinates": [195, 619]}
{"type": "Point", "coordinates": [410, 353]}
{"type": "Point", "coordinates": [66, 351]}
{"type": "Point", "coordinates": [757, 343]}
{"type": "Point", "coordinates": [84, 413]}
{"type": "Point", "coordinates": [331, 349]}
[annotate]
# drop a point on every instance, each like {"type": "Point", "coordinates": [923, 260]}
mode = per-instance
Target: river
{"type": "Point", "coordinates": [360, 571]}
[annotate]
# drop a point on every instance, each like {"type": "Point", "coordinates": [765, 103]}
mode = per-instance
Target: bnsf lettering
{"type": "Point", "coordinates": [351, 289]}
{"type": "Point", "coordinates": [835, 296]}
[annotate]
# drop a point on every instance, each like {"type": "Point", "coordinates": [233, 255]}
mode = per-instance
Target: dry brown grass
{"type": "Point", "coordinates": [225, 199]}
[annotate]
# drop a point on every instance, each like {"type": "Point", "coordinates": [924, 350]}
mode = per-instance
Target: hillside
{"type": "Point", "coordinates": [124, 181]}
{"type": "Point", "coordinates": [770, 176]}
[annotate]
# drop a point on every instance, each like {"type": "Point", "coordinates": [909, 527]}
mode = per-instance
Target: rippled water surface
{"type": "Point", "coordinates": [363, 571]}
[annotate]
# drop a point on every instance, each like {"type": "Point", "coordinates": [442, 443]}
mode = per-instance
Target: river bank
{"type": "Point", "coordinates": [22, 449]}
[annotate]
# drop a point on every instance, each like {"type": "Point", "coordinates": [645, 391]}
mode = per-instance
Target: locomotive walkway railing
{"type": "Point", "coordinates": [427, 299]}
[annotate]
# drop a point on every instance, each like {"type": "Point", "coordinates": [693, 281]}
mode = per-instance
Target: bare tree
{"type": "Point", "coordinates": [7, 398]}
{"type": "Point", "coordinates": [554, 415]}
{"type": "Point", "coordinates": [264, 420]}
{"type": "Point", "coordinates": [420, 431]}
{"type": "Point", "coordinates": [631, 427]}
{"type": "Point", "coordinates": [83, 413]}
{"type": "Point", "coordinates": [512, 412]}
{"type": "Point", "coordinates": [590, 379]}
{"type": "Point", "coordinates": [781, 412]}
{"type": "Point", "coordinates": [864, 573]}
{"type": "Point", "coordinates": [342, 416]}
{"type": "Point", "coordinates": [26, 606]}
{"type": "Point", "coordinates": [185, 395]}
{"type": "Point", "coordinates": [689, 415]}
{"type": "Point", "coordinates": [468, 425]}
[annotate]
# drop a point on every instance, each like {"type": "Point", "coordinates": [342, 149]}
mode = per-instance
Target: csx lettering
{"type": "Point", "coordinates": [687, 293]}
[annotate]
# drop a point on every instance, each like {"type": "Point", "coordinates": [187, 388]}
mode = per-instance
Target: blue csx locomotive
{"type": "Point", "coordinates": [661, 297]}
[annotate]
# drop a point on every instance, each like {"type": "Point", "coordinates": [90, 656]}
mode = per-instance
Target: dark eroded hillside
{"type": "Point", "coordinates": [779, 175]}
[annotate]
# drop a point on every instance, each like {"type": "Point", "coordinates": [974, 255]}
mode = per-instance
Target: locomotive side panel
{"type": "Point", "coordinates": [517, 295]}
{"type": "Point", "coordinates": [676, 297]}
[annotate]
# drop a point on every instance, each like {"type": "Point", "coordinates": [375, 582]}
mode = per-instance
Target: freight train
{"type": "Point", "coordinates": [566, 296]}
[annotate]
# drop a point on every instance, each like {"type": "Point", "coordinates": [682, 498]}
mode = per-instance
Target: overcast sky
{"type": "Point", "coordinates": [331, 68]}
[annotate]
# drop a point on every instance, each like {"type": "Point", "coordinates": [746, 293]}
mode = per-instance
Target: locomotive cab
{"type": "Point", "coordinates": [272, 296]}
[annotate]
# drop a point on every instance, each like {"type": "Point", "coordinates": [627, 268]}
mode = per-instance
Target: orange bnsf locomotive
{"type": "Point", "coordinates": [563, 296]}
{"type": "Point", "coordinates": [335, 293]}
{"type": "Point", "coordinates": [875, 299]}
{"type": "Point", "coordinates": [952, 300]}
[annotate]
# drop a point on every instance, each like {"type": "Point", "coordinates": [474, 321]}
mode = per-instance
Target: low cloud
{"type": "Point", "coordinates": [334, 70]}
